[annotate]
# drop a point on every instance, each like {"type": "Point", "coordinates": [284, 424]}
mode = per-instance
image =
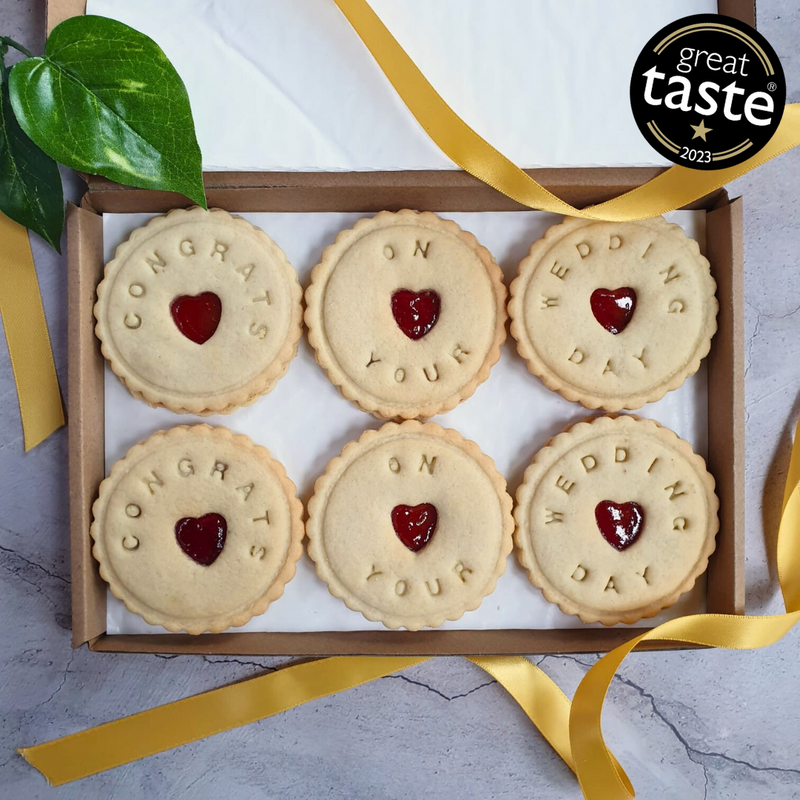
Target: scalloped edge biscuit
{"type": "Point", "coordinates": [543, 460]}
{"type": "Point", "coordinates": [556, 383]}
{"type": "Point", "coordinates": [225, 403]}
{"type": "Point", "coordinates": [153, 443]}
{"type": "Point", "coordinates": [314, 305]}
{"type": "Point", "coordinates": [334, 470]}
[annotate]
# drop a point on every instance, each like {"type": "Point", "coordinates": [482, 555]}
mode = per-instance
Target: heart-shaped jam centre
{"type": "Point", "coordinates": [202, 538]}
{"type": "Point", "coordinates": [613, 308]}
{"type": "Point", "coordinates": [415, 525]}
{"type": "Point", "coordinates": [197, 316]}
{"type": "Point", "coordinates": [415, 312]}
{"type": "Point", "coordinates": [620, 523]}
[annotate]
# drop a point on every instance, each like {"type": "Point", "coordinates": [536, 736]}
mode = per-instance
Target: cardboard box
{"type": "Point", "coordinates": [372, 192]}
{"type": "Point", "coordinates": [434, 191]}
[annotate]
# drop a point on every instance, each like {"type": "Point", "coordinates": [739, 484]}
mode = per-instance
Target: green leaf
{"type": "Point", "coordinates": [104, 99]}
{"type": "Point", "coordinates": [30, 184]}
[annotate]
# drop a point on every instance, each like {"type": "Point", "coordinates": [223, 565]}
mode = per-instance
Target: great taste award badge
{"type": "Point", "coordinates": [708, 91]}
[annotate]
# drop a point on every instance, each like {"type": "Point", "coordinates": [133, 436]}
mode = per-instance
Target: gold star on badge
{"type": "Point", "coordinates": [700, 130]}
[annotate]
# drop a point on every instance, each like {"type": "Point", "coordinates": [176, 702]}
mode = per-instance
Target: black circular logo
{"type": "Point", "coordinates": [708, 91]}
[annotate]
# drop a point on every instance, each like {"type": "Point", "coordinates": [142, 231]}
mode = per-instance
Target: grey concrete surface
{"type": "Point", "coordinates": [686, 725]}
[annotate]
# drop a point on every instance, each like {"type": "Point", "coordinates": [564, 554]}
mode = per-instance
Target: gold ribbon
{"type": "Point", "coordinates": [184, 721]}
{"type": "Point", "coordinates": [573, 731]}
{"type": "Point", "coordinates": [672, 189]}
{"type": "Point", "coordinates": [26, 334]}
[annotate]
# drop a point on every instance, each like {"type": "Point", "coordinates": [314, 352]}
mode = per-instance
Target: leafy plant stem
{"type": "Point", "coordinates": [6, 40]}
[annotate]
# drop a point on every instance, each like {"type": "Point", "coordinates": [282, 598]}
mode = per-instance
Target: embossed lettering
{"type": "Point", "coordinates": [620, 454]}
{"type": "Point", "coordinates": [589, 462]}
{"type": "Point", "coordinates": [186, 247]}
{"type": "Point", "coordinates": [643, 575]}
{"type": "Point", "coordinates": [155, 262]}
{"type": "Point", "coordinates": [675, 307]}
{"type": "Point", "coordinates": [374, 573]}
{"type": "Point", "coordinates": [130, 542]}
{"type": "Point", "coordinates": [185, 467]}
{"type": "Point", "coordinates": [652, 465]}
{"type": "Point", "coordinates": [564, 484]}
{"type": "Point", "coordinates": [670, 273]}
{"type": "Point", "coordinates": [673, 490]}
{"type": "Point", "coordinates": [133, 511]}
{"type": "Point", "coordinates": [553, 516]}
{"type": "Point", "coordinates": [458, 353]}
{"type": "Point", "coordinates": [258, 552]}
{"type": "Point", "coordinates": [388, 251]}
{"type": "Point", "coordinates": [438, 588]}
{"type": "Point", "coordinates": [219, 250]}
{"type": "Point", "coordinates": [399, 374]}
{"type": "Point", "coordinates": [549, 302]}
{"type": "Point", "coordinates": [610, 585]}
{"type": "Point", "coordinates": [265, 299]}
{"type": "Point", "coordinates": [394, 465]}
{"type": "Point", "coordinates": [433, 376]}
{"type": "Point", "coordinates": [608, 368]}
{"type": "Point", "coordinates": [133, 321]}
{"type": "Point", "coordinates": [259, 331]}
{"type": "Point", "coordinates": [559, 271]}
{"type": "Point", "coordinates": [219, 469]}
{"type": "Point", "coordinates": [400, 588]}
{"type": "Point", "coordinates": [246, 270]}
{"type": "Point", "coordinates": [152, 481]}
{"type": "Point", "coordinates": [372, 360]}
{"type": "Point", "coordinates": [640, 358]}
{"type": "Point", "coordinates": [579, 574]}
{"type": "Point", "coordinates": [576, 356]}
{"type": "Point", "coordinates": [460, 570]}
{"type": "Point", "coordinates": [265, 518]}
{"type": "Point", "coordinates": [245, 490]}
{"type": "Point", "coordinates": [679, 524]}
{"type": "Point", "coordinates": [615, 243]}
{"type": "Point", "coordinates": [420, 249]}
{"type": "Point", "coordinates": [583, 249]}
{"type": "Point", "coordinates": [429, 464]}
{"type": "Point", "coordinates": [136, 290]}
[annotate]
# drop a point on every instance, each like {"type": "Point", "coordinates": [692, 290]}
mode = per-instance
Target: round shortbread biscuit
{"type": "Point", "coordinates": [199, 311]}
{"type": "Point", "coordinates": [411, 525]}
{"type": "Point", "coordinates": [613, 315]}
{"type": "Point", "coordinates": [616, 518]}
{"type": "Point", "coordinates": [197, 529]}
{"type": "Point", "coordinates": [406, 314]}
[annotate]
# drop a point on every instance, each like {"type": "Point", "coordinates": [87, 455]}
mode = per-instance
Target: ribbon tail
{"type": "Point", "coordinates": [172, 725]}
{"type": "Point", "coordinates": [26, 335]}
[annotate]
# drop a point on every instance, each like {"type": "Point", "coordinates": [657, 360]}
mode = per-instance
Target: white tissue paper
{"type": "Point", "coordinates": [288, 84]}
{"type": "Point", "coordinates": [305, 422]}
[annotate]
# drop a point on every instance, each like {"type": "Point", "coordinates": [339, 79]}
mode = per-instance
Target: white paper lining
{"type": "Point", "coordinates": [288, 85]}
{"type": "Point", "coordinates": [305, 422]}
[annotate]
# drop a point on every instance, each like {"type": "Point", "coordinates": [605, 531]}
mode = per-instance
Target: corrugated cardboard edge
{"type": "Point", "coordinates": [85, 405]}
{"type": "Point", "coordinates": [724, 249]}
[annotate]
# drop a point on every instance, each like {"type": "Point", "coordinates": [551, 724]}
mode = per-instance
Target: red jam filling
{"type": "Point", "coordinates": [202, 538]}
{"type": "Point", "coordinates": [415, 525]}
{"type": "Point", "coordinates": [613, 308]}
{"type": "Point", "coordinates": [620, 523]}
{"type": "Point", "coordinates": [415, 312]}
{"type": "Point", "coordinates": [197, 316]}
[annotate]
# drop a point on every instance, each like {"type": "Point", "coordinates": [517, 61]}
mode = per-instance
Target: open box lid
{"type": "Point", "coordinates": [281, 86]}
